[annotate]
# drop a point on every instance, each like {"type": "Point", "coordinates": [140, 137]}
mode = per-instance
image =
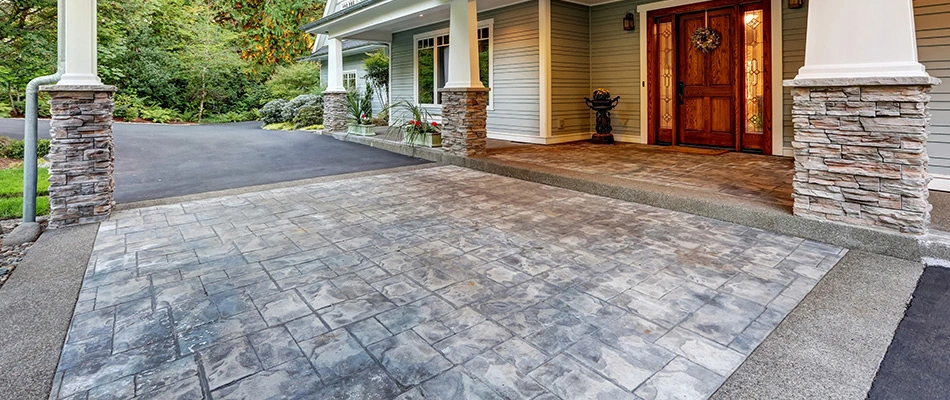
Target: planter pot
{"type": "Point", "coordinates": [427, 140]}
{"type": "Point", "coordinates": [361, 130]}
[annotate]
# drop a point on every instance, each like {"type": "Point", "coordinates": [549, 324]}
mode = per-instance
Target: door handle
{"type": "Point", "coordinates": [681, 92]}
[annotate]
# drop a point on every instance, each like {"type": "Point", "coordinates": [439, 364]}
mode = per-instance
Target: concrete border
{"type": "Point", "coordinates": [261, 188]}
{"type": "Point", "coordinates": [832, 344]}
{"type": "Point", "coordinates": [36, 307]}
{"type": "Point", "coordinates": [729, 209]}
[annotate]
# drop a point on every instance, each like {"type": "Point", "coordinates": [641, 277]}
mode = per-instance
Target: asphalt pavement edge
{"type": "Point", "coordinates": [36, 307]}
{"type": "Point", "coordinates": [832, 344]}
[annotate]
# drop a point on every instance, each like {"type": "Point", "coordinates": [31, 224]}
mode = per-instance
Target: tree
{"type": "Point", "coordinates": [210, 60]}
{"type": "Point", "coordinates": [293, 80]}
{"type": "Point", "coordinates": [377, 74]}
{"type": "Point", "coordinates": [28, 45]}
{"type": "Point", "coordinates": [270, 30]}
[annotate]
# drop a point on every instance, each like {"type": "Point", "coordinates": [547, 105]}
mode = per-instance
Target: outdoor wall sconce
{"type": "Point", "coordinates": [629, 22]}
{"type": "Point", "coordinates": [793, 4]}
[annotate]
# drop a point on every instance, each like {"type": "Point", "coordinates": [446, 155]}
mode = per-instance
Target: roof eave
{"type": "Point", "coordinates": [315, 25]}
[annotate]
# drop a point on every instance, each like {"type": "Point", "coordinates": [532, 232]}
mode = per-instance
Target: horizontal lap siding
{"type": "Point", "coordinates": [570, 68]}
{"type": "Point", "coordinates": [615, 62]}
{"type": "Point", "coordinates": [933, 48]}
{"type": "Point", "coordinates": [515, 100]}
{"type": "Point", "coordinates": [353, 62]}
{"type": "Point", "coordinates": [794, 27]}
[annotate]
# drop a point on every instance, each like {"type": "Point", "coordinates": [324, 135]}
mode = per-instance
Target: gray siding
{"type": "Point", "coordinates": [352, 62]}
{"type": "Point", "coordinates": [615, 62]}
{"type": "Point", "coordinates": [570, 68]}
{"type": "Point", "coordinates": [794, 26]}
{"type": "Point", "coordinates": [515, 95]}
{"type": "Point", "coordinates": [933, 47]}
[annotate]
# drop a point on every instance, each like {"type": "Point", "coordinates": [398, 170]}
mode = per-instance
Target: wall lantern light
{"type": "Point", "coordinates": [629, 22]}
{"type": "Point", "coordinates": [796, 3]}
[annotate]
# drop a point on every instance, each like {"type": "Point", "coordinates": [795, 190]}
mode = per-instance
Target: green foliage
{"type": "Point", "coordinates": [160, 115]}
{"type": "Point", "coordinates": [294, 80]}
{"type": "Point", "coordinates": [10, 148]}
{"type": "Point", "coordinates": [309, 116]}
{"type": "Point", "coordinates": [414, 121]}
{"type": "Point", "coordinates": [376, 66]}
{"type": "Point", "coordinates": [232, 116]}
{"type": "Point", "coordinates": [5, 109]}
{"type": "Point", "coordinates": [128, 105]}
{"type": "Point", "coordinates": [293, 107]}
{"type": "Point", "coordinates": [359, 106]}
{"type": "Point", "coordinates": [13, 207]}
{"type": "Point", "coordinates": [280, 126]}
{"type": "Point", "coordinates": [426, 78]}
{"type": "Point", "coordinates": [270, 33]}
{"type": "Point", "coordinates": [272, 112]}
{"type": "Point", "coordinates": [27, 45]}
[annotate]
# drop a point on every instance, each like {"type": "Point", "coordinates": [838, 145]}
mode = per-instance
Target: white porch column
{"type": "Point", "coordinates": [858, 38]}
{"type": "Point", "coordinates": [81, 64]}
{"type": "Point", "coordinates": [463, 48]}
{"type": "Point", "coordinates": [335, 65]}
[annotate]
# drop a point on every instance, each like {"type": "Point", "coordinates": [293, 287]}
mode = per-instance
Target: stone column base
{"type": "Point", "coordinates": [82, 155]}
{"type": "Point", "coordinates": [860, 153]}
{"type": "Point", "coordinates": [334, 111]}
{"type": "Point", "coordinates": [464, 114]}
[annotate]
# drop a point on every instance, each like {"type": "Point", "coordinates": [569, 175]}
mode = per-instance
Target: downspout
{"type": "Point", "coordinates": [29, 134]}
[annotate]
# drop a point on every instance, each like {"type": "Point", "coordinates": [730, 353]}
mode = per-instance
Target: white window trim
{"type": "Point", "coordinates": [487, 23]}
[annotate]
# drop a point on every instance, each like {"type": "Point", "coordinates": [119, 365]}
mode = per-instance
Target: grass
{"type": "Point", "coordinates": [11, 192]}
{"type": "Point", "coordinates": [280, 126]}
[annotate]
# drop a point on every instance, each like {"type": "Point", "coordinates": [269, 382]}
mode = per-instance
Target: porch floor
{"type": "Point", "coordinates": [766, 180]}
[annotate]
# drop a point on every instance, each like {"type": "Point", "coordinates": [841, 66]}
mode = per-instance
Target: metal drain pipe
{"type": "Point", "coordinates": [29, 133]}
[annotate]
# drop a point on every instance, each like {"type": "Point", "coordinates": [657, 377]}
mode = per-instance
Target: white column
{"type": "Point", "coordinates": [81, 61]}
{"type": "Point", "coordinates": [861, 39]}
{"type": "Point", "coordinates": [463, 46]}
{"type": "Point", "coordinates": [335, 65]}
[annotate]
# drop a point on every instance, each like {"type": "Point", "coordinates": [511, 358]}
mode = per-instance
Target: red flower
{"type": "Point", "coordinates": [412, 122]}
{"type": "Point", "coordinates": [435, 124]}
{"type": "Point", "coordinates": [419, 123]}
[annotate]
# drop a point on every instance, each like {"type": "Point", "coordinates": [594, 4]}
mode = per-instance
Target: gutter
{"type": "Point", "coordinates": [30, 119]}
{"type": "Point", "coordinates": [340, 14]}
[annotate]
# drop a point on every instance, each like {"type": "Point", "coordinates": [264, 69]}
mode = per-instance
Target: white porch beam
{"type": "Point", "coordinates": [335, 65]}
{"type": "Point", "coordinates": [861, 39]}
{"type": "Point", "coordinates": [81, 61]}
{"type": "Point", "coordinates": [463, 46]}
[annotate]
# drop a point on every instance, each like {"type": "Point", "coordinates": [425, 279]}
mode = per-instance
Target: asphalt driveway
{"type": "Point", "coordinates": [159, 161]}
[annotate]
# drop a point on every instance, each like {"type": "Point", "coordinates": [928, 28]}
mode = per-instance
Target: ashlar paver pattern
{"type": "Point", "coordinates": [441, 283]}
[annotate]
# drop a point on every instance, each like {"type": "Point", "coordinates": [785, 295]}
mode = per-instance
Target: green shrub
{"type": "Point", "coordinates": [42, 148]}
{"type": "Point", "coordinates": [294, 80]}
{"type": "Point", "coordinates": [128, 105]}
{"type": "Point", "coordinates": [293, 107]}
{"type": "Point", "coordinates": [15, 149]}
{"type": "Point", "coordinates": [5, 109]}
{"type": "Point", "coordinates": [160, 115]}
{"type": "Point", "coordinates": [272, 112]}
{"type": "Point", "coordinates": [308, 116]}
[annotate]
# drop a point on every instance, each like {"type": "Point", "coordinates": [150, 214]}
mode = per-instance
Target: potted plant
{"type": "Point", "coordinates": [417, 126]}
{"type": "Point", "coordinates": [359, 106]}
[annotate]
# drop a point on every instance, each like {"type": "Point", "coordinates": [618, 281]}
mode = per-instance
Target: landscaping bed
{"type": "Point", "coordinates": [11, 211]}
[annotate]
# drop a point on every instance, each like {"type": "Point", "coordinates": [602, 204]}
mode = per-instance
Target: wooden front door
{"type": "Point", "coordinates": [718, 98]}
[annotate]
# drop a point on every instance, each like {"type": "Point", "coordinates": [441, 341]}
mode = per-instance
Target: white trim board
{"type": "Point", "coordinates": [778, 115]}
{"type": "Point", "coordinates": [940, 183]}
{"type": "Point", "coordinates": [514, 137]}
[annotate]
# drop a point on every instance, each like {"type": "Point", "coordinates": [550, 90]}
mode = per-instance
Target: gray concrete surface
{"type": "Point", "coordinates": [36, 305]}
{"type": "Point", "coordinates": [940, 215]}
{"type": "Point", "coordinates": [724, 208]}
{"type": "Point", "coordinates": [832, 343]}
{"type": "Point", "coordinates": [157, 161]}
{"type": "Point", "coordinates": [917, 363]}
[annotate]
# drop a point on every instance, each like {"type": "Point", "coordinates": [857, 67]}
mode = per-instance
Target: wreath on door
{"type": "Point", "coordinates": [705, 40]}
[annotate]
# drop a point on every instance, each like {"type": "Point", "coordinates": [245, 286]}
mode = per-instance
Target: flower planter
{"type": "Point", "coordinates": [425, 139]}
{"type": "Point", "coordinates": [361, 130]}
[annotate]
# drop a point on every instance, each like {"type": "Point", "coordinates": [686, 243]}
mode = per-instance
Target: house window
{"type": "Point", "coordinates": [432, 63]}
{"type": "Point", "coordinates": [349, 80]}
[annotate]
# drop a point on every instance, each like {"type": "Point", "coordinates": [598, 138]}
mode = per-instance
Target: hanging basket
{"type": "Point", "coordinates": [705, 40]}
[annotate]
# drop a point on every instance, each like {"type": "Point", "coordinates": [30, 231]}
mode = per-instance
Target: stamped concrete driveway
{"type": "Point", "coordinates": [441, 283]}
{"type": "Point", "coordinates": [159, 161]}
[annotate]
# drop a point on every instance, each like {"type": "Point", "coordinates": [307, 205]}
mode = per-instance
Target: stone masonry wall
{"type": "Point", "coordinates": [334, 111]}
{"type": "Point", "coordinates": [82, 156]}
{"type": "Point", "coordinates": [860, 155]}
{"type": "Point", "coordinates": [464, 114]}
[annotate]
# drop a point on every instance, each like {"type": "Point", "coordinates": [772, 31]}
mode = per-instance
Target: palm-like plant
{"type": "Point", "coordinates": [360, 106]}
{"type": "Point", "coordinates": [414, 122]}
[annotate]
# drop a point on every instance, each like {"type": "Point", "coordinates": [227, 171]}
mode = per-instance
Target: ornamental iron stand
{"type": "Point", "coordinates": [602, 104]}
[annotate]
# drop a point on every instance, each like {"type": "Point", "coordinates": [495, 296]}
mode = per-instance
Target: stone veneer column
{"type": "Point", "coordinates": [464, 114]}
{"type": "Point", "coordinates": [334, 111]}
{"type": "Point", "coordinates": [860, 151]}
{"type": "Point", "coordinates": [81, 155]}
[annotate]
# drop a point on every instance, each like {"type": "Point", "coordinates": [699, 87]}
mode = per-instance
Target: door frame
{"type": "Point", "coordinates": [774, 81]}
{"type": "Point", "coordinates": [741, 140]}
